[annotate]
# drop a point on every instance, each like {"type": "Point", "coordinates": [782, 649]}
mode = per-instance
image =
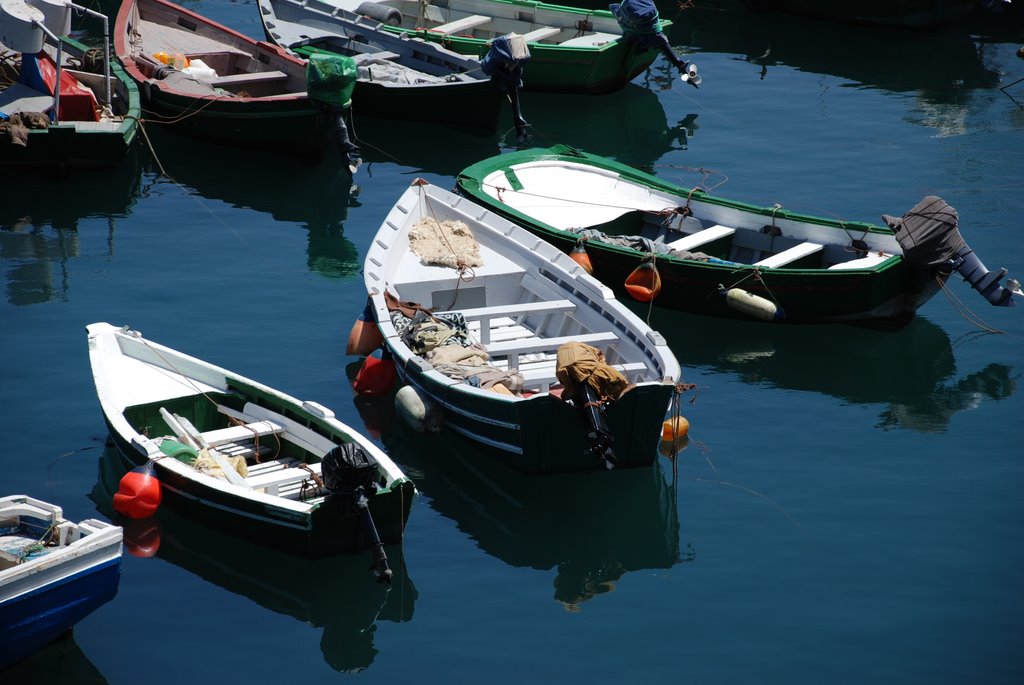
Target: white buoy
{"type": "Point", "coordinates": [422, 415]}
{"type": "Point", "coordinates": [19, 26]}
{"type": "Point", "coordinates": [753, 305]}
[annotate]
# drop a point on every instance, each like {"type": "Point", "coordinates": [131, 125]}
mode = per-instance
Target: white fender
{"type": "Point", "coordinates": [421, 414]}
{"type": "Point", "coordinates": [753, 305]}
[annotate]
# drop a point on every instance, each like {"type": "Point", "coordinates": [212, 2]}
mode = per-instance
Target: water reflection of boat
{"type": "Point", "coordinates": [592, 528]}
{"type": "Point", "coordinates": [912, 371]}
{"type": "Point", "coordinates": [318, 197]}
{"type": "Point", "coordinates": [58, 663]}
{"type": "Point", "coordinates": [629, 124]}
{"type": "Point", "coordinates": [39, 234]}
{"type": "Point", "coordinates": [938, 65]}
{"type": "Point", "coordinates": [335, 593]}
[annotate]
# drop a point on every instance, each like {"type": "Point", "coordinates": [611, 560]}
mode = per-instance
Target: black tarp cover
{"type": "Point", "coordinates": [928, 233]}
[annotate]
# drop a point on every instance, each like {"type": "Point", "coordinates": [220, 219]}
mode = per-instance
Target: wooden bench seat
{"type": "Point", "coordinates": [791, 255]}
{"type": "Point", "coordinates": [540, 34]}
{"type": "Point", "coordinates": [703, 237]}
{"type": "Point", "coordinates": [495, 316]}
{"type": "Point", "coordinates": [544, 378]}
{"type": "Point", "coordinates": [249, 431]}
{"type": "Point", "coordinates": [248, 78]}
{"type": "Point", "coordinates": [461, 25]}
{"type": "Point", "coordinates": [513, 348]}
{"type": "Point", "coordinates": [274, 476]}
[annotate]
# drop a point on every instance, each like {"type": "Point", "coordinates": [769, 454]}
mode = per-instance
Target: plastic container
{"type": "Point", "coordinates": [197, 68]}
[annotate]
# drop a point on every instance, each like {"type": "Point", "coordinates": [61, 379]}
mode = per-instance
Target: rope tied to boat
{"type": "Point", "coordinates": [44, 541]}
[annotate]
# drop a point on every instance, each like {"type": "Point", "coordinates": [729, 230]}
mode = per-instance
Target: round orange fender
{"type": "Point", "coordinates": [580, 256]}
{"type": "Point", "coordinates": [644, 284]}
{"type": "Point", "coordinates": [365, 335]}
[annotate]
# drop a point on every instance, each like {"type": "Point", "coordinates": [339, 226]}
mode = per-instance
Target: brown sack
{"type": "Point", "coordinates": [578, 363]}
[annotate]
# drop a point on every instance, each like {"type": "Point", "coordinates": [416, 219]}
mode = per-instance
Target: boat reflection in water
{"type": "Point", "coordinates": [912, 371]}
{"type": "Point", "coordinates": [316, 196]}
{"type": "Point", "coordinates": [940, 66]}
{"type": "Point", "coordinates": [59, 663]}
{"type": "Point", "coordinates": [629, 125]}
{"type": "Point", "coordinates": [591, 528]}
{"type": "Point", "coordinates": [337, 594]}
{"type": "Point", "coordinates": [39, 231]}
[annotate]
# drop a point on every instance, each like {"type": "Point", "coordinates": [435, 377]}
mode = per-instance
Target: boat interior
{"type": "Point", "coordinates": [280, 451]}
{"type": "Point", "coordinates": [89, 107]}
{"type": "Point", "coordinates": [158, 33]}
{"type": "Point", "coordinates": [728, 235]}
{"type": "Point", "coordinates": [488, 20]}
{"type": "Point", "coordinates": [521, 317]}
{"type": "Point", "coordinates": [29, 530]}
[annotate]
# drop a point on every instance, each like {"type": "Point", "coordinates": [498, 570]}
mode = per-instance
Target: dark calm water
{"type": "Point", "coordinates": [850, 508]}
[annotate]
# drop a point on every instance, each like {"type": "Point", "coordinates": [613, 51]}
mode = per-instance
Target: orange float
{"type": "Point", "coordinates": [644, 284]}
{"type": "Point", "coordinates": [580, 256]}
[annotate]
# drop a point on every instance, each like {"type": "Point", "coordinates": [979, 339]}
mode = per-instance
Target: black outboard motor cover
{"type": "Point", "coordinates": [928, 233]}
{"type": "Point", "coordinates": [348, 472]}
{"type": "Point", "coordinates": [930, 237]}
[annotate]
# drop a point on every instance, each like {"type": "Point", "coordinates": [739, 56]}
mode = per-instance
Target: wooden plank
{"type": "Point", "coordinates": [249, 77]}
{"type": "Point", "coordinates": [791, 255]}
{"type": "Point", "coordinates": [487, 326]}
{"type": "Point", "coordinates": [545, 377]}
{"type": "Point", "coordinates": [513, 348]}
{"type": "Point", "coordinates": [540, 34]}
{"type": "Point", "coordinates": [249, 431]}
{"type": "Point", "coordinates": [694, 240]}
{"type": "Point", "coordinates": [460, 25]}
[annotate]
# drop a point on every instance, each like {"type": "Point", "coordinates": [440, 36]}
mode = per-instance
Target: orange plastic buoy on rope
{"type": "Point", "coordinates": [644, 284]}
{"type": "Point", "coordinates": [376, 376]}
{"type": "Point", "coordinates": [676, 427]}
{"type": "Point", "coordinates": [139, 493]}
{"type": "Point", "coordinates": [580, 256]}
{"type": "Point", "coordinates": [365, 335]}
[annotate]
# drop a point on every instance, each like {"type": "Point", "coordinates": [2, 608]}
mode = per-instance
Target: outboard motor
{"type": "Point", "coordinates": [504, 63]}
{"type": "Point", "coordinates": [930, 237]}
{"type": "Point", "coordinates": [348, 476]}
{"type": "Point", "coordinates": [330, 80]}
{"type": "Point", "coordinates": [597, 430]}
{"type": "Point", "coordinates": [641, 25]}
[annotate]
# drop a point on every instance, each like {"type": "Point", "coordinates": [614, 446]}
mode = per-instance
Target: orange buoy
{"type": "Point", "coordinates": [676, 427]}
{"type": "Point", "coordinates": [139, 493]}
{"type": "Point", "coordinates": [365, 335]}
{"type": "Point", "coordinates": [644, 284]}
{"type": "Point", "coordinates": [377, 375]}
{"type": "Point", "coordinates": [580, 256]}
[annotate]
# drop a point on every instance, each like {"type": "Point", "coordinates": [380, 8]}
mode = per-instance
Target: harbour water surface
{"type": "Point", "coordinates": [849, 509]}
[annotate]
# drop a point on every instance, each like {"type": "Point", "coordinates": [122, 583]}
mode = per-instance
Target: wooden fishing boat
{"type": "Point", "coordinates": [509, 313]}
{"type": "Point", "coordinates": [53, 573]}
{"type": "Point", "coordinates": [217, 84]}
{"type": "Point", "coordinates": [916, 14]}
{"type": "Point", "coordinates": [401, 77]}
{"type": "Point", "coordinates": [245, 457]}
{"type": "Point", "coordinates": [726, 258]}
{"type": "Point", "coordinates": [89, 122]}
{"type": "Point", "coordinates": [572, 50]}
{"type": "Point", "coordinates": [337, 598]}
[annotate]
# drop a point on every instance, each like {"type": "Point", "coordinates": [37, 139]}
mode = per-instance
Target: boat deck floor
{"type": "Point", "coordinates": [158, 37]}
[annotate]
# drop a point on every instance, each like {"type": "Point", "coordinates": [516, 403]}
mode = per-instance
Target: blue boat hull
{"type": "Point", "coordinates": [32, 620]}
